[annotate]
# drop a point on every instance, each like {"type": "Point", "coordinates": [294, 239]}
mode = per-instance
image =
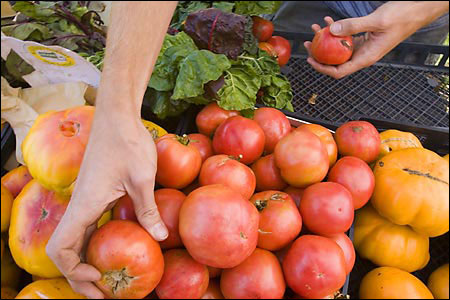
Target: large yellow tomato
{"type": "Point", "coordinates": [10, 271]}
{"type": "Point", "coordinates": [392, 140]}
{"type": "Point", "coordinates": [57, 288]}
{"type": "Point", "coordinates": [411, 188]}
{"type": "Point", "coordinates": [155, 130]}
{"type": "Point", "coordinates": [54, 147]}
{"type": "Point", "coordinates": [392, 283]}
{"type": "Point", "coordinates": [438, 282]}
{"type": "Point", "coordinates": [36, 213]}
{"type": "Point", "coordinates": [16, 179]}
{"type": "Point", "coordinates": [7, 200]}
{"type": "Point", "coordinates": [387, 244]}
{"type": "Point", "coordinates": [8, 293]}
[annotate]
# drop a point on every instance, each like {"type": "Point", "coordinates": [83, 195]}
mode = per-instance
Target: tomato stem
{"type": "Point", "coordinates": [183, 139]}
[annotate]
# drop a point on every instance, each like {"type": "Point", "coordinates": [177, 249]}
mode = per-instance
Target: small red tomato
{"type": "Point", "coordinates": [268, 176]}
{"type": "Point", "coordinates": [211, 116]}
{"type": "Point", "coordinates": [268, 48]}
{"type": "Point", "coordinates": [282, 47]}
{"type": "Point", "coordinates": [262, 28]}
{"type": "Point", "coordinates": [183, 278]}
{"type": "Point", "coordinates": [274, 124]}
{"type": "Point", "coordinates": [330, 49]}
{"type": "Point", "coordinates": [202, 143]}
{"type": "Point", "coordinates": [295, 193]}
{"type": "Point", "coordinates": [346, 245]}
{"type": "Point", "coordinates": [354, 174]}
{"type": "Point", "coordinates": [360, 139]}
{"type": "Point", "coordinates": [239, 136]}
{"type": "Point", "coordinates": [124, 209]}
{"type": "Point", "coordinates": [327, 208]}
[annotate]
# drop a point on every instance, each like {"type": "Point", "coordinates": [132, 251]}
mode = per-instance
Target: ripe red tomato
{"type": "Point", "coordinates": [203, 144]}
{"type": "Point", "coordinates": [211, 116]}
{"type": "Point", "coordinates": [183, 278]}
{"type": "Point", "coordinates": [124, 209]}
{"type": "Point", "coordinates": [330, 49]}
{"type": "Point", "coordinates": [268, 176]}
{"type": "Point", "coordinates": [360, 139]}
{"type": "Point", "coordinates": [274, 124]}
{"type": "Point", "coordinates": [302, 158]}
{"type": "Point", "coordinates": [282, 47]}
{"type": "Point", "coordinates": [295, 193]}
{"type": "Point", "coordinates": [279, 219]}
{"type": "Point", "coordinates": [346, 245]}
{"type": "Point", "coordinates": [258, 277]}
{"type": "Point", "coordinates": [129, 259]}
{"type": "Point", "coordinates": [214, 272]}
{"type": "Point", "coordinates": [218, 226]}
{"type": "Point", "coordinates": [169, 203]}
{"type": "Point", "coordinates": [327, 208]}
{"type": "Point", "coordinates": [179, 161]}
{"type": "Point", "coordinates": [222, 169]}
{"type": "Point", "coordinates": [314, 267]}
{"type": "Point", "coordinates": [355, 175]}
{"type": "Point", "coordinates": [213, 291]}
{"type": "Point", "coordinates": [326, 137]}
{"type": "Point", "coordinates": [262, 29]}
{"type": "Point", "coordinates": [268, 48]}
{"type": "Point", "coordinates": [239, 136]}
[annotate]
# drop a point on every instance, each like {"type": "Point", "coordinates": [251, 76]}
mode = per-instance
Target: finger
{"type": "Point", "coordinates": [315, 27]}
{"type": "Point", "coordinates": [329, 20]}
{"type": "Point", "coordinates": [353, 26]}
{"type": "Point", "coordinates": [146, 210]}
{"type": "Point", "coordinates": [308, 47]}
{"type": "Point", "coordinates": [87, 237]}
{"type": "Point", "coordinates": [325, 69]}
{"type": "Point", "coordinates": [87, 289]}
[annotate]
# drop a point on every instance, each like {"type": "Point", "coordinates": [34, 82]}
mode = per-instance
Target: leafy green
{"type": "Point", "coordinates": [184, 8]}
{"type": "Point", "coordinates": [278, 94]}
{"type": "Point", "coordinates": [254, 8]}
{"type": "Point", "coordinates": [28, 31]}
{"type": "Point", "coordinates": [225, 6]}
{"type": "Point", "coordinates": [161, 104]}
{"type": "Point", "coordinates": [96, 59]}
{"type": "Point", "coordinates": [14, 68]}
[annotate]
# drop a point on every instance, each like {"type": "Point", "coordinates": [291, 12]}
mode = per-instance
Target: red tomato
{"type": "Point", "coordinates": [239, 136]}
{"type": "Point", "coordinates": [179, 161]}
{"type": "Point", "coordinates": [302, 158]}
{"type": "Point", "coordinates": [326, 137]}
{"type": "Point", "coordinates": [282, 47]}
{"type": "Point", "coordinates": [268, 48]}
{"type": "Point", "coordinates": [330, 49]}
{"type": "Point", "coordinates": [222, 169]}
{"type": "Point", "coordinates": [327, 208]}
{"type": "Point", "coordinates": [16, 179]}
{"type": "Point", "coordinates": [129, 259]}
{"type": "Point", "coordinates": [355, 175]}
{"type": "Point", "coordinates": [262, 28]}
{"type": "Point", "coordinates": [268, 176]}
{"type": "Point", "coordinates": [183, 278]}
{"type": "Point", "coordinates": [279, 219]}
{"type": "Point", "coordinates": [213, 291]}
{"type": "Point", "coordinates": [314, 267]}
{"type": "Point", "coordinates": [295, 193]}
{"type": "Point", "coordinates": [203, 144]}
{"type": "Point", "coordinates": [124, 209]}
{"type": "Point", "coordinates": [258, 277]}
{"type": "Point", "coordinates": [346, 245]}
{"type": "Point", "coordinates": [214, 272]}
{"type": "Point", "coordinates": [169, 202]}
{"type": "Point", "coordinates": [211, 116]}
{"type": "Point", "coordinates": [274, 124]}
{"type": "Point", "coordinates": [360, 139]}
{"type": "Point", "coordinates": [218, 226]}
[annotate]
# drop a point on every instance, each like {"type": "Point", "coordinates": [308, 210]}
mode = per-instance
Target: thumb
{"type": "Point", "coordinates": [352, 26]}
{"type": "Point", "coordinates": [147, 211]}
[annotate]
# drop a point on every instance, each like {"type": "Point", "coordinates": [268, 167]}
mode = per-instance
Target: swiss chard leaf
{"type": "Point", "coordinates": [40, 12]}
{"type": "Point", "coordinates": [254, 8]}
{"type": "Point", "coordinates": [16, 67]}
{"type": "Point", "coordinates": [225, 6]}
{"type": "Point", "coordinates": [278, 94]}
{"type": "Point", "coordinates": [28, 31]}
{"type": "Point", "coordinates": [161, 104]}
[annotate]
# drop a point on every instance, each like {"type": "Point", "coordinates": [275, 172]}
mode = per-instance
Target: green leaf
{"type": "Point", "coordinates": [184, 8]}
{"type": "Point", "coordinates": [225, 6]}
{"type": "Point", "coordinates": [161, 104]}
{"type": "Point", "coordinates": [42, 12]}
{"type": "Point", "coordinates": [248, 113]}
{"type": "Point", "coordinates": [250, 42]}
{"type": "Point", "coordinates": [28, 31]}
{"type": "Point", "coordinates": [279, 93]}
{"type": "Point", "coordinates": [198, 68]}
{"type": "Point", "coordinates": [16, 67]}
{"type": "Point", "coordinates": [254, 8]}
{"type": "Point", "coordinates": [289, 107]}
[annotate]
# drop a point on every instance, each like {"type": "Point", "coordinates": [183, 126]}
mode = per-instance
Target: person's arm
{"type": "Point", "coordinates": [386, 27]}
{"type": "Point", "coordinates": [120, 156]}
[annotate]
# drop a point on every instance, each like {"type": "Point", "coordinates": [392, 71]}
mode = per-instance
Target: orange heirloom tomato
{"type": "Point", "coordinates": [36, 213]}
{"type": "Point", "coordinates": [411, 188]}
{"type": "Point", "coordinates": [16, 179]}
{"type": "Point", "coordinates": [392, 140]}
{"type": "Point", "coordinates": [10, 271]}
{"type": "Point", "coordinates": [57, 288]}
{"type": "Point", "coordinates": [54, 147]}
{"type": "Point", "coordinates": [8, 293]}
{"type": "Point", "coordinates": [326, 137]}
{"type": "Point", "coordinates": [392, 283]}
{"type": "Point", "coordinates": [438, 282]}
{"type": "Point", "coordinates": [7, 200]}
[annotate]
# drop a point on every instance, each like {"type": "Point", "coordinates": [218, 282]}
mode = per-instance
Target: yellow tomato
{"type": "Point", "coordinates": [8, 293]}
{"type": "Point", "coordinates": [10, 271]}
{"type": "Point", "coordinates": [57, 288]}
{"type": "Point", "coordinates": [16, 179]}
{"type": "Point", "coordinates": [155, 130]}
{"type": "Point", "coordinates": [438, 282]}
{"type": "Point", "coordinates": [7, 200]}
{"type": "Point", "coordinates": [392, 140]}
{"type": "Point", "coordinates": [106, 217]}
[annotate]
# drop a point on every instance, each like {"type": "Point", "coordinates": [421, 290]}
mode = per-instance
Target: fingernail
{"type": "Point", "coordinates": [159, 232]}
{"type": "Point", "coordinates": [336, 28]}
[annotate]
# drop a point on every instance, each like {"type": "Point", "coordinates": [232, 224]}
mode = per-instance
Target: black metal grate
{"type": "Point", "coordinates": [404, 94]}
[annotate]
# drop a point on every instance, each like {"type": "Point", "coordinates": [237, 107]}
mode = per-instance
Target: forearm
{"type": "Point", "coordinates": [135, 36]}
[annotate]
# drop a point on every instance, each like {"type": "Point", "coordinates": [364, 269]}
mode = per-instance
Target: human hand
{"type": "Point", "coordinates": [120, 158]}
{"type": "Point", "coordinates": [385, 28]}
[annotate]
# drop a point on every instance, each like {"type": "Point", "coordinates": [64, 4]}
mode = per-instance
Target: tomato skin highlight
{"type": "Point", "coordinates": [262, 28]}
{"type": "Point", "coordinates": [329, 49]}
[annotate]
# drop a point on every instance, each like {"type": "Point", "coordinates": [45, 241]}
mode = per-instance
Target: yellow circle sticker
{"type": "Point", "coordinates": [51, 56]}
